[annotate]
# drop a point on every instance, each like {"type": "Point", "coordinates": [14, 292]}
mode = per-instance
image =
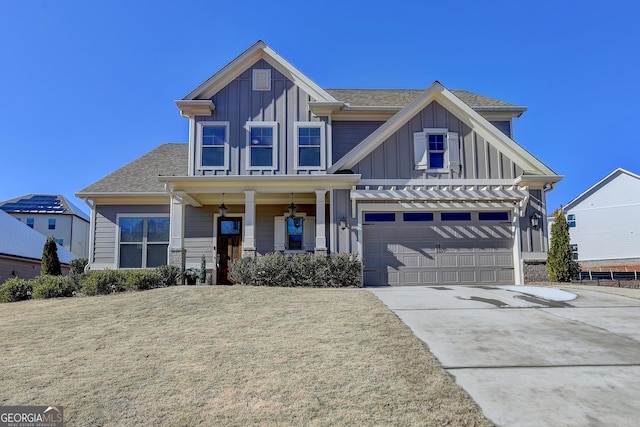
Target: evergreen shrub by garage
{"type": "Point", "coordinates": [305, 270]}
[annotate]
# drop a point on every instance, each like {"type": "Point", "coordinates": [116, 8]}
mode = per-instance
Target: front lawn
{"type": "Point", "coordinates": [214, 355]}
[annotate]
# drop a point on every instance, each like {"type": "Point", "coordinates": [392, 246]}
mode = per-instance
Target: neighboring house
{"type": "Point", "coordinates": [53, 215]}
{"type": "Point", "coordinates": [21, 250]}
{"type": "Point", "coordinates": [426, 186]}
{"type": "Point", "coordinates": [603, 221]}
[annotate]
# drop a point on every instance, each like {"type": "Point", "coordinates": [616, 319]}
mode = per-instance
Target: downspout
{"type": "Point", "coordinates": [92, 224]}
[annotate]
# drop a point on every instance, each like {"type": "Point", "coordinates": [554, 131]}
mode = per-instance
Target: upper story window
{"type": "Point", "coordinates": [310, 145]}
{"type": "Point", "coordinates": [436, 149]}
{"type": "Point", "coordinates": [262, 145]}
{"type": "Point", "coordinates": [213, 145]}
{"type": "Point", "coordinates": [30, 222]}
{"type": "Point", "coordinates": [52, 223]}
{"type": "Point", "coordinates": [571, 220]}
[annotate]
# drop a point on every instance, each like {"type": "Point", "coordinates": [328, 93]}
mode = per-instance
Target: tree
{"type": "Point", "coordinates": [50, 262]}
{"type": "Point", "coordinates": [560, 263]}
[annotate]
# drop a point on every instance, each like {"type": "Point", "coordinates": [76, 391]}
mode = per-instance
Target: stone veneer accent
{"type": "Point", "coordinates": [535, 271]}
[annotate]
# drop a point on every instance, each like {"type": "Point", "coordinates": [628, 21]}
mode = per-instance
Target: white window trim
{"type": "Point", "coordinates": [274, 160]}
{"type": "Point", "coordinates": [425, 136]}
{"type": "Point", "coordinates": [144, 242]}
{"type": "Point", "coordinates": [285, 235]}
{"type": "Point", "coordinates": [199, 145]}
{"type": "Point", "coordinates": [255, 79]}
{"type": "Point", "coordinates": [323, 145]}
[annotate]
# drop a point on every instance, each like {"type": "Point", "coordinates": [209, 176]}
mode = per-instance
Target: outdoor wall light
{"type": "Point", "coordinates": [222, 208]}
{"type": "Point", "coordinates": [534, 219]}
{"type": "Point", "coordinates": [343, 223]}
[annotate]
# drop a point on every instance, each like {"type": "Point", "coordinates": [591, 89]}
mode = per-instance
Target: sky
{"type": "Point", "coordinates": [89, 86]}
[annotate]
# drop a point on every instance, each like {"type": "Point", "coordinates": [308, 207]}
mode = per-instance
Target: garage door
{"type": "Point", "coordinates": [422, 248]}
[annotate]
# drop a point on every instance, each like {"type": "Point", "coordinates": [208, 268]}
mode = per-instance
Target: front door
{"type": "Point", "coordinates": [228, 247]}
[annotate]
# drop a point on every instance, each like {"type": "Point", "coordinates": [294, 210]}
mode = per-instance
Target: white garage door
{"type": "Point", "coordinates": [422, 248]}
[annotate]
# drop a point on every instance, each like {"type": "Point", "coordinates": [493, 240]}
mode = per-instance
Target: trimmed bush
{"type": "Point", "coordinates": [77, 266]}
{"type": "Point", "coordinates": [52, 287]}
{"type": "Point", "coordinates": [169, 275]}
{"type": "Point", "coordinates": [143, 280]}
{"type": "Point", "coordinates": [275, 269]}
{"type": "Point", "coordinates": [242, 270]}
{"type": "Point", "coordinates": [104, 282]}
{"type": "Point", "coordinates": [15, 289]}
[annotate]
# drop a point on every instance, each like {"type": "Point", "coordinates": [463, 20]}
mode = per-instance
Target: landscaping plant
{"type": "Point", "coordinates": [560, 263]}
{"type": "Point", "coordinates": [50, 262]}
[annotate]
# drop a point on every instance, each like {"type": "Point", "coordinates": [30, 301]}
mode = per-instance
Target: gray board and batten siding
{"type": "Point", "coordinates": [393, 159]}
{"type": "Point", "coordinates": [285, 103]}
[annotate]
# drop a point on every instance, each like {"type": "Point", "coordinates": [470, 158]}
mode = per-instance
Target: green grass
{"type": "Point", "coordinates": [213, 355]}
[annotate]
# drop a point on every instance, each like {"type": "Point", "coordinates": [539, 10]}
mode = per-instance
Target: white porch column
{"type": "Point", "coordinates": [176, 232]}
{"type": "Point", "coordinates": [321, 239]}
{"type": "Point", "coordinates": [517, 252]}
{"type": "Point", "coordinates": [249, 241]}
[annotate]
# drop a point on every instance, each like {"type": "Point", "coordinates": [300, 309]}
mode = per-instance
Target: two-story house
{"type": "Point", "coordinates": [53, 215]}
{"type": "Point", "coordinates": [426, 186]}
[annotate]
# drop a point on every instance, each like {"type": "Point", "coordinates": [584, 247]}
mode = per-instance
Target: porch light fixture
{"type": "Point", "coordinates": [292, 208]}
{"type": "Point", "coordinates": [222, 208]}
{"type": "Point", "coordinates": [534, 219]}
{"type": "Point", "coordinates": [343, 223]}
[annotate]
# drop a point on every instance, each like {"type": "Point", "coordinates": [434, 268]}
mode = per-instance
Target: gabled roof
{"type": "Point", "coordinates": [437, 92]}
{"type": "Point", "coordinates": [141, 175]}
{"type": "Point", "coordinates": [402, 98]}
{"type": "Point", "coordinates": [259, 50]}
{"type": "Point", "coordinates": [598, 185]}
{"type": "Point", "coordinates": [22, 241]}
{"type": "Point", "coordinates": [43, 204]}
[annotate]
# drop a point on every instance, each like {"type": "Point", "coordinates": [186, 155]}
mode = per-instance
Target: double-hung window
{"type": "Point", "coordinates": [571, 220]}
{"type": "Point", "coordinates": [294, 234]}
{"type": "Point", "coordinates": [262, 145]}
{"type": "Point", "coordinates": [436, 149]}
{"type": "Point", "coordinates": [143, 241]}
{"type": "Point", "coordinates": [310, 145]}
{"type": "Point", "coordinates": [213, 145]}
{"type": "Point", "coordinates": [52, 223]}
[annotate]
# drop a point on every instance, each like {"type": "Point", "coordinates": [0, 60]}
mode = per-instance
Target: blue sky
{"type": "Point", "coordinates": [87, 87]}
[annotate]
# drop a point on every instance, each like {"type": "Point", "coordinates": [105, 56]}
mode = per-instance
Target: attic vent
{"type": "Point", "coordinates": [262, 79]}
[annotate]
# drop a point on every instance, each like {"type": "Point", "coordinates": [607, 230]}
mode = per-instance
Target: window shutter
{"type": "Point", "coordinates": [420, 148]}
{"type": "Point", "coordinates": [278, 233]}
{"type": "Point", "coordinates": [309, 233]}
{"type": "Point", "coordinates": [453, 148]}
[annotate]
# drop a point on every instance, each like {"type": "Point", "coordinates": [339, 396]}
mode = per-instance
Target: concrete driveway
{"type": "Point", "coordinates": [531, 361]}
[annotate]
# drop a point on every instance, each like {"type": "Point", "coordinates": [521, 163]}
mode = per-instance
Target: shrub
{"type": "Point", "coordinates": [169, 275]}
{"type": "Point", "coordinates": [272, 270]}
{"type": "Point", "coordinates": [560, 263]}
{"type": "Point", "coordinates": [52, 287]}
{"type": "Point", "coordinates": [341, 270]}
{"type": "Point", "coordinates": [15, 289]}
{"type": "Point", "coordinates": [104, 282]}
{"type": "Point", "coordinates": [50, 263]}
{"type": "Point", "coordinates": [242, 270]}
{"type": "Point", "coordinates": [142, 280]}
{"type": "Point", "coordinates": [77, 266]}
{"type": "Point", "coordinates": [346, 270]}
{"type": "Point", "coordinates": [202, 273]}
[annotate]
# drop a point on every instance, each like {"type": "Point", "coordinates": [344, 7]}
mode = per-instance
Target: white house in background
{"type": "Point", "coordinates": [21, 250]}
{"type": "Point", "coordinates": [604, 221]}
{"type": "Point", "coordinates": [53, 215]}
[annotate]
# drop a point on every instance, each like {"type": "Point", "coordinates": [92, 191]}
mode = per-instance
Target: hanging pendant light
{"type": "Point", "coordinates": [222, 208]}
{"type": "Point", "coordinates": [292, 208]}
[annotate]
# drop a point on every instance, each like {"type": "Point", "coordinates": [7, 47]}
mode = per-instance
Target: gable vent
{"type": "Point", "coordinates": [262, 79]}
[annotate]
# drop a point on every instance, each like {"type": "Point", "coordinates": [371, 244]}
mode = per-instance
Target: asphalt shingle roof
{"type": "Point", "coordinates": [141, 175]}
{"type": "Point", "coordinates": [402, 97]}
{"type": "Point", "coordinates": [20, 240]}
